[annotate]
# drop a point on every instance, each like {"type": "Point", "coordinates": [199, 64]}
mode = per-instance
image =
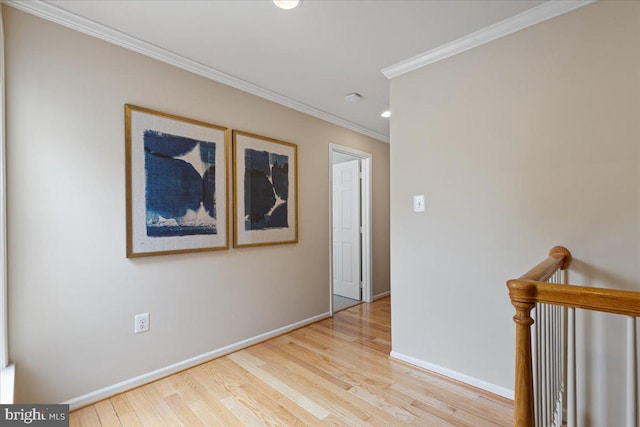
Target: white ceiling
{"type": "Point", "coordinates": [311, 56]}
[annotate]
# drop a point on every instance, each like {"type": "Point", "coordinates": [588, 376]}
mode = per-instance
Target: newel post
{"type": "Point", "coordinates": [523, 299]}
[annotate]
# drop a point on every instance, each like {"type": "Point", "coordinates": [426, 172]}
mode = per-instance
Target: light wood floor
{"type": "Point", "coordinates": [334, 372]}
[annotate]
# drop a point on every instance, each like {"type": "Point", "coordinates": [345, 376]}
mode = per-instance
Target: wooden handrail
{"type": "Point", "coordinates": [523, 294]}
{"type": "Point", "coordinates": [559, 259]}
{"type": "Point", "coordinates": [531, 289]}
{"type": "Point", "coordinates": [597, 299]}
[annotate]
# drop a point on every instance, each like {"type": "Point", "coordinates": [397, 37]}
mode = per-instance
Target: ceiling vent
{"type": "Point", "coordinates": [353, 97]}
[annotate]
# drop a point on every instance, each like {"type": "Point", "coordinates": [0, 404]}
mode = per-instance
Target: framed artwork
{"type": "Point", "coordinates": [177, 184]}
{"type": "Point", "coordinates": [265, 211]}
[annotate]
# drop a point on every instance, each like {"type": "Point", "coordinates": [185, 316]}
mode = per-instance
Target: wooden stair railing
{"type": "Point", "coordinates": [531, 289]}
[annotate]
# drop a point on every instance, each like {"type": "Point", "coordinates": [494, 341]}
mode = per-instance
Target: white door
{"type": "Point", "coordinates": [346, 229]}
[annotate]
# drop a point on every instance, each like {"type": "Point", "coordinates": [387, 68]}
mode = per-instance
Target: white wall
{"type": "Point", "coordinates": [73, 294]}
{"type": "Point", "coordinates": [525, 143]}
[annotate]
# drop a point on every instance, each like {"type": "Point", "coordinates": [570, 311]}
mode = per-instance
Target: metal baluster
{"type": "Point", "coordinates": [558, 359]}
{"type": "Point", "coordinates": [554, 362]}
{"type": "Point", "coordinates": [571, 368]}
{"type": "Point", "coordinates": [632, 373]}
{"type": "Point", "coordinates": [545, 374]}
{"type": "Point", "coordinates": [535, 351]}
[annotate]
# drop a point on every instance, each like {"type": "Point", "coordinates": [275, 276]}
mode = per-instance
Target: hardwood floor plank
{"type": "Point", "coordinates": [130, 420]}
{"type": "Point", "coordinates": [256, 395]}
{"type": "Point", "coordinates": [88, 416]}
{"type": "Point", "coordinates": [74, 419]}
{"type": "Point", "coordinates": [183, 411]}
{"type": "Point", "coordinates": [121, 404]}
{"type": "Point", "coordinates": [215, 392]}
{"type": "Point", "coordinates": [302, 400]}
{"type": "Point", "coordinates": [336, 372]}
{"type": "Point", "coordinates": [243, 413]}
{"type": "Point", "coordinates": [126, 414]}
{"type": "Point", "coordinates": [239, 382]}
{"type": "Point", "coordinates": [315, 369]}
{"type": "Point", "coordinates": [326, 393]}
{"type": "Point", "coordinates": [186, 385]}
{"type": "Point", "coordinates": [107, 414]}
{"type": "Point", "coordinates": [207, 414]}
{"type": "Point", "coordinates": [164, 386]}
{"type": "Point", "coordinates": [380, 402]}
{"type": "Point", "coordinates": [270, 409]}
{"type": "Point", "coordinates": [150, 407]}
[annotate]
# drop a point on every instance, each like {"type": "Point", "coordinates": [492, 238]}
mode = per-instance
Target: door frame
{"type": "Point", "coordinates": [366, 161]}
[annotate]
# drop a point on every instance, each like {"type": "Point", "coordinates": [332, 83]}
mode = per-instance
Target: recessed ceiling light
{"type": "Point", "coordinates": [353, 97]}
{"type": "Point", "coordinates": [287, 4]}
{"type": "Point", "coordinates": [386, 114]}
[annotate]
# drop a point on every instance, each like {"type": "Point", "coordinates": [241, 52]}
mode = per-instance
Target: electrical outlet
{"type": "Point", "coordinates": [141, 323]}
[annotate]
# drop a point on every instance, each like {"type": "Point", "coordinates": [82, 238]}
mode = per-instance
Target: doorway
{"type": "Point", "coordinates": [350, 227]}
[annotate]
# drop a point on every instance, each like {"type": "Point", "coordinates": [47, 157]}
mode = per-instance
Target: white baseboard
{"type": "Point", "coordinates": [382, 295]}
{"type": "Point", "coordinates": [7, 384]}
{"type": "Point", "coordinates": [484, 385]}
{"type": "Point", "coordinates": [112, 390]}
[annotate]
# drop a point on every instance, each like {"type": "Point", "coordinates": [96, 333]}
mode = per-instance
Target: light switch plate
{"type": "Point", "coordinates": [418, 203]}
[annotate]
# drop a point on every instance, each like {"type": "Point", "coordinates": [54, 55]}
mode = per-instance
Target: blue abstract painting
{"type": "Point", "coordinates": [179, 185]}
{"type": "Point", "coordinates": [266, 190]}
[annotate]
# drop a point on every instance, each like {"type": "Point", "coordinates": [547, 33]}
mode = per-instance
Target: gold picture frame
{"type": "Point", "coordinates": [265, 188]}
{"type": "Point", "coordinates": [177, 184]}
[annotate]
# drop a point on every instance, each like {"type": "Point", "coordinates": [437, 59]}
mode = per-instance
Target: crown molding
{"type": "Point", "coordinates": [52, 13]}
{"type": "Point", "coordinates": [533, 16]}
